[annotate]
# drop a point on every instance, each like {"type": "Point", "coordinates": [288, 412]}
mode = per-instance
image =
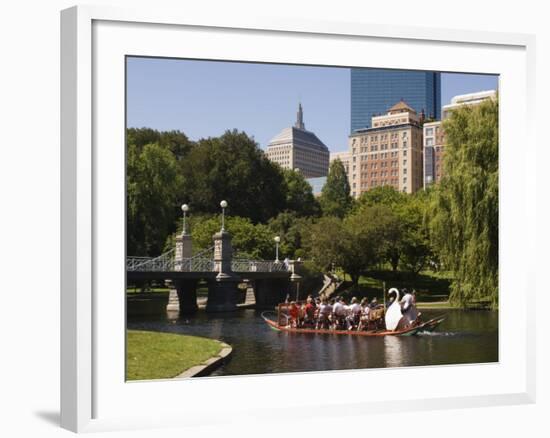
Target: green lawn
{"type": "Point", "coordinates": [153, 355]}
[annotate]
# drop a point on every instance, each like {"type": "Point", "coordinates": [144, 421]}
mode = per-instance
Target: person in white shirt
{"type": "Point", "coordinates": [354, 314]}
{"type": "Point", "coordinates": [408, 308]}
{"type": "Point", "coordinates": [339, 312]}
{"type": "Point", "coordinates": [325, 309]}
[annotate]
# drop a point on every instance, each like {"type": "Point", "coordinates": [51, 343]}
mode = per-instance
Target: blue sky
{"type": "Point", "coordinates": [204, 98]}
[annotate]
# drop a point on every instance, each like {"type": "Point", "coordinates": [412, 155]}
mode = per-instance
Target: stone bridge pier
{"type": "Point", "coordinates": [223, 292]}
{"type": "Point", "coordinates": [183, 296]}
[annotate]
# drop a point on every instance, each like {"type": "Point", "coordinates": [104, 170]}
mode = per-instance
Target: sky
{"type": "Point", "coordinates": [205, 98]}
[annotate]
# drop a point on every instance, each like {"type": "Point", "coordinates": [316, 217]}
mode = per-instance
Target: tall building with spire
{"type": "Point", "coordinates": [299, 149]}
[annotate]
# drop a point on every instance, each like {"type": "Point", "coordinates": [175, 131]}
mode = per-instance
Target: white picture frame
{"type": "Point", "coordinates": [93, 39]}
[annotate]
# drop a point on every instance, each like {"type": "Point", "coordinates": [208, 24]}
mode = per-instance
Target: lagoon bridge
{"type": "Point", "coordinates": [271, 281]}
{"type": "Point", "coordinates": [201, 262]}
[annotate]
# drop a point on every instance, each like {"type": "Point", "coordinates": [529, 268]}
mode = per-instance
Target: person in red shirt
{"type": "Point", "coordinates": [294, 312]}
{"type": "Point", "coordinates": [309, 311]}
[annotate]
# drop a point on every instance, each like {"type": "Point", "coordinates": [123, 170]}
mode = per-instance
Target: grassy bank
{"type": "Point", "coordinates": [153, 355]}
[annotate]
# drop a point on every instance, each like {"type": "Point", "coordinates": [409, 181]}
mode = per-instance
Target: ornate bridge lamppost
{"type": "Point", "coordinates": [277, 240]}
{"type": "Point", "coordinates": [185, 209]}
{"type": "Point", "coordinates": [223, 205]}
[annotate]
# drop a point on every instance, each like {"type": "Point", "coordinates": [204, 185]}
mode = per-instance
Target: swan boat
{"type": "Point", "coordinates": [393, 317]}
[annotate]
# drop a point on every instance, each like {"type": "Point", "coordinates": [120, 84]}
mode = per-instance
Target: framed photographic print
{"type": "Point", "coordinates": [252, 206]}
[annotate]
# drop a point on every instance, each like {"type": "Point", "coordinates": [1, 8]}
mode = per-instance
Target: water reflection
{"type": "Point", "coordinates": [464, 337]}
{"type": "Point", "coordinates": [393, 354]}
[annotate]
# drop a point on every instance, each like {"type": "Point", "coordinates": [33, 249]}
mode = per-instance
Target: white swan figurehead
{"type": "Point", "coordinates": [393, 314]}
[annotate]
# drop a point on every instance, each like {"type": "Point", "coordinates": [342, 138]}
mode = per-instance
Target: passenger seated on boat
{"type": "Point", "coordinates": [364, 319]}
{"type": "Point", "coordinates": [376, 318]}
{"type": "Point", "coordinates": [354, 314]}
{"type": "Point", "coordinates": [294, 313]}
{"type": "Point", "coordinates": [339, 313]}
{"type": "Point", "coordinates": [323, 320]}
{"type": "Point", "coordinates": [374, 303]}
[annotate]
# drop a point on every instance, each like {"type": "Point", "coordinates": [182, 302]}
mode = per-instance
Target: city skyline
{"type": "Point", "coordinates": [205, 98]}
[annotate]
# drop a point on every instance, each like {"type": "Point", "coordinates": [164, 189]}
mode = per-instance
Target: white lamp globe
{"type": "Point", "coordinates": [223, 204]}
{"type": "Point", "coordinates": [277, 239]}
{"type": "Point", "coordinates": [185, 208]}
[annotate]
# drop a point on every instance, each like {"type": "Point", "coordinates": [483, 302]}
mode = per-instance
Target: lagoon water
{"type": "Point", "coordinates": [464, 337]}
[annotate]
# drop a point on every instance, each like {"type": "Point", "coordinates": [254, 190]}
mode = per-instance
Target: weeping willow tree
{"type": "Point", "coordinates": [465, 204]}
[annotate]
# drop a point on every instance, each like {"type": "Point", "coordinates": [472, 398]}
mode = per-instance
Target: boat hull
{"type": "Point", "coordinates": [423, 327]}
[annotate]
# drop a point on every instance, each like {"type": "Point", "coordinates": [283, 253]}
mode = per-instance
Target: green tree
{"type": "Point", "coordinates": [335, 197]}
{"type": "Point", "coordinates": [248, 240]}
{"type": "Point", "coordinates": [324, 243]}
{"type": "Point", "coordinates": [291, 229]}
{"type": "Point", "coordinates": [353, 244]}
{"type": "Point", "coordinates": [234, 168]}
{"type": "Point", "coordinates": [465, 208]}
{"type": "Point", "coordinates": [363, 241]}
{"type": "Point", "coordinates": [415, 246]}
{"type": "Point", "coordinates": [382, 195]}
{"type": "Point", "coordinates": [153, 181]}
{"type": "Point", "coordinates": [175, 141]}
{"type": "Point", "coordinates": [392, 225]}
{"type": "Point", "coordinates": [299, 195]}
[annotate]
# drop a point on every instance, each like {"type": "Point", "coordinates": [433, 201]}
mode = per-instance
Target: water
{"type": "Point", "coordinates": [464, 337]}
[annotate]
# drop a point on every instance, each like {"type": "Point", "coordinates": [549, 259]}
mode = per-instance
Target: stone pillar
{"type": "Point", "coordinates": [223, 254]}
{"type": "Point", "coordinates": [223, 293]}
{"type": "Point", "coordinates": [183, 296]}
{"type": "Point", "coordinates": [184, 250]}
{"type": "Point", "coordinates": [176, 303]}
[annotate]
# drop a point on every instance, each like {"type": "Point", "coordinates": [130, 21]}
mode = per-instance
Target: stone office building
{"type": "Point", "coordinates": [434, 145]}
{"type": "Point", "coordinates": [434, 135]}
{"type": "Point", "coordinates": [388, 153]}
{"type": "Point", "coordinates": [299, 149]}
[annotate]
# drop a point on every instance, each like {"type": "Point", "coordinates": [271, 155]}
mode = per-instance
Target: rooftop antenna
{"type": "Point", "coordinates": [300, 117]}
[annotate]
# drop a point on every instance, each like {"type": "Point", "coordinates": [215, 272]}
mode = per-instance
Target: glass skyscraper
{"type": "Point", "coordinates": [374, 91]}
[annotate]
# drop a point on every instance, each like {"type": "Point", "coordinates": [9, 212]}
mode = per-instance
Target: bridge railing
{"type": "Point", "coordinates": [199, 263]}
{"type": "Point", "coordinates": [132, 263]}
{"type": "Point", "coordinates": [162, 263]}
{"type": "Point", "coordinates": [195, 264]}
{"type": "Point", "coordinates": [243, 265]}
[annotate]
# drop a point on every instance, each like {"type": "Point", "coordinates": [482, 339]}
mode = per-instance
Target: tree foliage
{"type": "Point", "coordinates": [299, 195]}
{"type": "Point", "coordinates": [291, 229]}
{"type": "Point", "coordinates": [248, 239]}
{"type": "Point", "coordinates": [382, 195]}
{"type": "Point", "coordinates": [465, 206]}
{"type": "Point", "coordinates": [335, 196]}
{"type": "Point", "coordinates": [232, 167]}
{"type": "Point", "coordinates": [175, 141]}
{"type": "Point", "coordinates": [354, 244]}
{"type": "Point", "coordinates": [153, 181]}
